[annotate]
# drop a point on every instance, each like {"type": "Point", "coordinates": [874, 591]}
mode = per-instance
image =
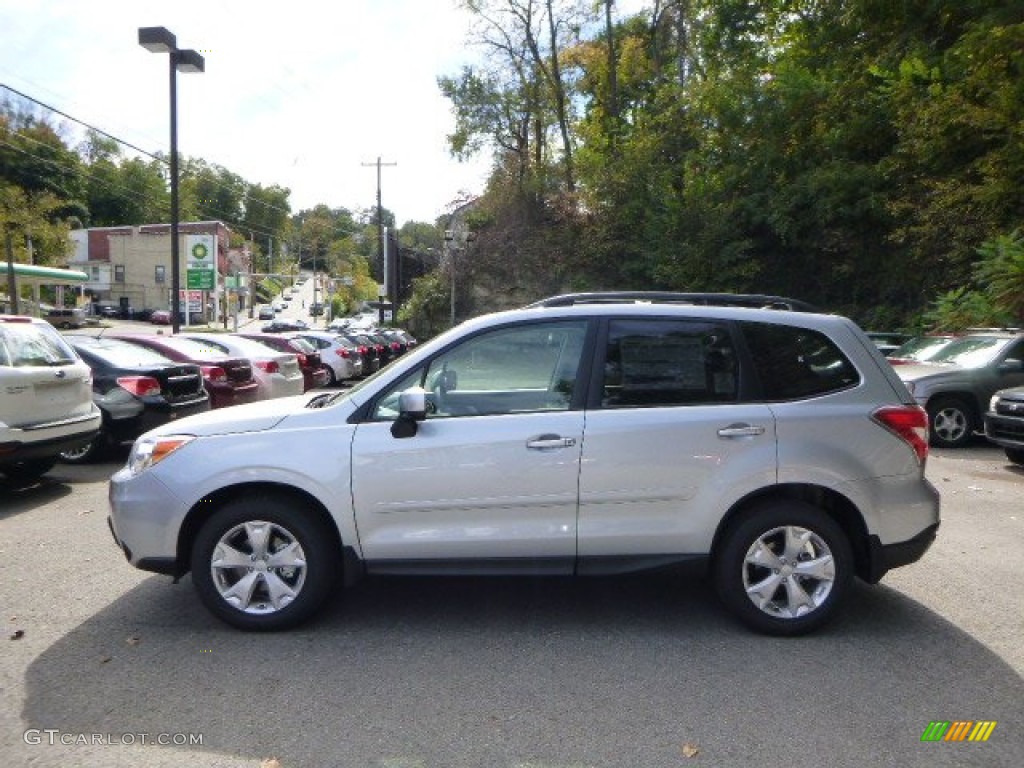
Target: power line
{"type": "Point", "coordinates": [165, 161]}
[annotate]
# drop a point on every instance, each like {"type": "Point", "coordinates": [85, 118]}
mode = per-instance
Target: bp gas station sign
{"type": "Point", "coordinates": [201, 262]}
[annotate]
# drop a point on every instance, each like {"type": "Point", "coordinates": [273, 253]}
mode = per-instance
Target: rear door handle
{"type": "Point", "coordinates": [550, 442]}
{"type": "Point", "coordinates": [741, 430]}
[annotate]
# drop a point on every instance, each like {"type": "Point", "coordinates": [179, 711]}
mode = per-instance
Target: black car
{"type": "Point", "coordinates": [368, 351]}
{"type": "Point", "coordinates": [282, 325]}
{"type": "Point", "coordinates": [136, 389]}
{"type": "Point", "coordinates": [1004, 422]}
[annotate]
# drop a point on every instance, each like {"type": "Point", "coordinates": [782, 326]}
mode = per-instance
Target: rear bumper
{"type": "Point", "coordinates": [884, 557]}
{"type": "Point", "coordinates": [53, 439]}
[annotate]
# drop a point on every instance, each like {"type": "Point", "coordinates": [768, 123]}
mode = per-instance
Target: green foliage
{"type": "Point", "coordinates": [1001, 272]}
{"type": "Point", "coordinates": [962, 308]}
{"type": "Point", "coordinates": [426, 312]}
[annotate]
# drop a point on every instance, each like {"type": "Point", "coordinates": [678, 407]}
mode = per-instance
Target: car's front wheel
{"type": "Point", "coordinates": [783, 567]}
{"type": "Point", "coordinates": [262, 563]}
{"type": "Point", "coordinates": [1016, 455]}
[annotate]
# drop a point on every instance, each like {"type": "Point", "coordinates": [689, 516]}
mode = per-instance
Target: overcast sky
{"type": "Point", "coordinates": [298, 93]}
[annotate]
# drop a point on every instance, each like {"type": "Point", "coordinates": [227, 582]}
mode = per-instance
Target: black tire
{"type": "Point", "coordinates": [303, 543]}
{"type": "Point", "coordinates": [28, 470]}
{"type": "Point", "coordinates": [1016, 455]}
{"type": "Point", "coordinates": [90, 452]}
{"type": "Point", "coordinates": [793, 599]}
{"type": "Point", "coordinates": [333, 379]}
{"type": "Point", "coordinates": [951, 422]}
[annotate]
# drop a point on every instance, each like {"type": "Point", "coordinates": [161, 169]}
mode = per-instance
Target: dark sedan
{"type": "Point", "coordinates": [136, 389]}
{"type": "Point", "coordinates": [314, 373]}
{"type": "Point", "coordinates": [229, 380]}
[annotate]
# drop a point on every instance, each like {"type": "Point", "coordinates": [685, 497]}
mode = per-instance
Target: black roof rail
{"type": "Point", "coordinates": [752, 300]}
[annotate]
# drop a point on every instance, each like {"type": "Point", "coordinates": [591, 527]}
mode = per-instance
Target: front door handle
{"type": "Point", "coordinates": [550, 442]}
{"type": "Point", "coordinates": [741, 430]}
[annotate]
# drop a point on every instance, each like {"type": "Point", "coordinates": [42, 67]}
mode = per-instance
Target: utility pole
{"type": "Point", "coordinates": [383, 241]}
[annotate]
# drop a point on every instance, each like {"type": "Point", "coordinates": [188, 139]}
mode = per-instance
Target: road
{"type": "Point", "coordinates": [548, 673]}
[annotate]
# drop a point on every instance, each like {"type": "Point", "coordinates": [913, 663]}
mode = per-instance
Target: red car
{"type": "Point", "coordinates": [160, 317]}
{"type": "Point", "coordinates": [314, 373]}
{"type": "Point", "coordinates": [229, 380]}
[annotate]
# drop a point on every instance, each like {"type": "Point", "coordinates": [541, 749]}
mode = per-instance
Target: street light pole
{"type": "Point", "coordinates": [160, 40]}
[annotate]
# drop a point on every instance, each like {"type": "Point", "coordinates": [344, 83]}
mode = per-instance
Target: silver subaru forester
{"type": "Point", "coordinates": [581, 435]}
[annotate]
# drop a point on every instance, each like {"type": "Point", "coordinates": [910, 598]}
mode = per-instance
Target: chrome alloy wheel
{"type": "Point", "coordinates": [950, 424]}
{"type": "Point", "coordinates": [788, 572]}
{"type": "Point", "coordinates": [258, 567]}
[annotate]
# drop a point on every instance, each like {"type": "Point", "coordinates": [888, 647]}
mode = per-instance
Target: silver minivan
{"type": "Point", "coordinates": [776, 447]}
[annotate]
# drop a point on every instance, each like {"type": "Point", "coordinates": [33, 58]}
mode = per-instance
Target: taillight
{"type": "Point", "coordinates": [140, 386]}
{"type": "Point", "coordinates": [395, 346]}
{"type": "Point", "coordinates": [267, 366]}
{"type": "Point", "coordinates": [908, 422]}
{"type": "Point", "coordinates": [364, 350]}
{"type": "Point", "coordinates": [214, 373]}
{"type": "Point", "coordinates": [302, 359]}
{"type": "Point", "coordinates": [341, 352]}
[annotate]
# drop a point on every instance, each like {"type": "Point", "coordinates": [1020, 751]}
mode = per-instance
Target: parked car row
{"type": "Point", "coordinates": [141, 381]}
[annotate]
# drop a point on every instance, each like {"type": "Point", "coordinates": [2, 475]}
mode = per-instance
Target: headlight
{"type": "Point", "coordinates": [993, 402]}
{"type": "Point", "coordinates": [149, 451]}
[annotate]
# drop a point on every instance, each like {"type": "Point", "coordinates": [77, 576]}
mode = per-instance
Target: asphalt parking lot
{"type": "Point", "coordinates": [104, 665]}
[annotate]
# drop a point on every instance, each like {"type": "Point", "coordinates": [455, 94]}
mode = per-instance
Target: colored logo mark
{"type": "Point", "coordinates": [958, 730]}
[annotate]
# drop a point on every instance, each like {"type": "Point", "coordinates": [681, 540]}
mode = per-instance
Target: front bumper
{"type": "Point", "coordinates": [1005, 431]}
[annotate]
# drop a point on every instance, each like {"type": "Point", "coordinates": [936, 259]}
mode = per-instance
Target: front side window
{"type": "Point", "coordinates": [794, 363]}
{"type": "Point", "coordinates": [661, 362]}
{"type": "Point", "coordinates": [523, 369]}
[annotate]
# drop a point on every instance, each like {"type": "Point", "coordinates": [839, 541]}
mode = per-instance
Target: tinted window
{"type": "Point", "coordinates": [121, 354]}
{"type": "Point", "coordinates": [793, 363]}
{"type": "Point", "coordinates": [668, 362]}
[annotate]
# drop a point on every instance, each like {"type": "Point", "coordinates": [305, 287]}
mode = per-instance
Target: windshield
{"type": "Point", "coordinates": [922, 347]}
{"type": "Point", "coordinates": [971, 351]}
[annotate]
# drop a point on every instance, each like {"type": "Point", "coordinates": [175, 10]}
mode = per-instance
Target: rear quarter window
{"type": "Point", "coordinates": [794, 363]}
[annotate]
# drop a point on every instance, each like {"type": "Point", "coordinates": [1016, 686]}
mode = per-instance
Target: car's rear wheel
{"type": "Point", "coordinates": [85, 453]}
{"type": "Point", "coordinates": [783, 567]}
{"type": "Point", "coordinates": [262, 563]}
{"type": "Point", "coordinates": [950, 422]}
{"type": "Point", "coordinates": [1016, 455]}
{"type": "Point", "coordinates": [28, 470]}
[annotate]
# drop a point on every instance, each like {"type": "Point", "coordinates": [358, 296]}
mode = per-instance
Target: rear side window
{"type": "Point", "coordinates": [794, 363]}
{"type": "Point", "coordinates": [659, 362]}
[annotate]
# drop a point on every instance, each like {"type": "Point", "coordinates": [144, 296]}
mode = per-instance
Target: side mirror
{"type": "Point", "coordinates": [412, 408]}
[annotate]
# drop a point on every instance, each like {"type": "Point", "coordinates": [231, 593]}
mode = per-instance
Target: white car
{"type": "Point", "coordinates": [46, 404]}
{"type": "Point", "coordinates": [778, 448]}
{"type": "Point", "coordinates": [278, 373]}
{"type": "Point", "coordinates": [339, 355]}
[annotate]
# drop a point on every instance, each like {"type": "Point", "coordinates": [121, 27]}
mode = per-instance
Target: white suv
{"type": "Point", "coordinates": [588, 437]}
{"type": "Point", "coordinates": [46, 402]}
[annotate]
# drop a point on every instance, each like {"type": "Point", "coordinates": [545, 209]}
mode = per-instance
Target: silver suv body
{"type": "Point", "coordinates": [779, 447]}
{"type": "Point", "coordinates": [46, 404]}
